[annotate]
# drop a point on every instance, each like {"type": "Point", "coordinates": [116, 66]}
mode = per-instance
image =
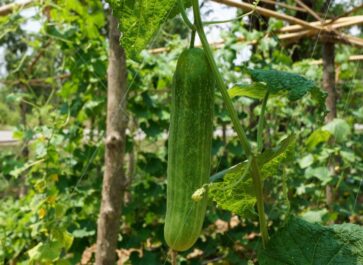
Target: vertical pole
{"type": "Point", "coordinates": [329, 85]}
{"type": "Point", "coordinates": [329, 79]}
{"type": "Point", "coordinates": [25, 148]}
{"type": "Point", "coordinates": [114, 180]}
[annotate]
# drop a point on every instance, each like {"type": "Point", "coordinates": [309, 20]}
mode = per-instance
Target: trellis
{"type": "Point", "coordinates": [327, 30]}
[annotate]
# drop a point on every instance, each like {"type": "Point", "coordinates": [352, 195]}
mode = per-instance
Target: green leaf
{"type": "Point", "coordinates": [140, 20]}
{"type": "Point", "coordinates": [304, 243]}
{"type": "Point", "coordinates": [63, 237]}
{"type": "Point", "coordinates": [236, 193]}
{"type": "Point", "coordinates": [348, 156]}
{"type": "Point", "coordinates": [339, 128]}
{"type": "Point", "coordinates": [306, 161]}
{"type": "Point", "coordinates": [317, 137]}
{"type": "Point", "coordinates": [319, 96]}
{"type": "Point", "coordinates": [255, 90]}
{"type": "Point", "coordinates": [322, 173]}
{"type": "Point", "coordinates": [45, 251]}
{"type": "Point", "coordinates": [83, 233]}
{"type": "Point", "coordinates": [295, 85]}
{"type": "Point", "coordinates": [286, 145]}
{"type": "Point", "coordinates": [315, 216]}
{"type": "Point", "coordinates": [237, 198]}
{"type": "Point", "coordinates": [263, 158]}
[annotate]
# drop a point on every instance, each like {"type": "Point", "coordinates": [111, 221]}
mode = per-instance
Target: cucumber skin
{"type": "Point", "coordinates": [189, 149]}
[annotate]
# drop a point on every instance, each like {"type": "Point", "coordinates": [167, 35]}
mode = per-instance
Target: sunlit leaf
{"type": "Point", "coordinates": [254, 90]}
{"type": "Point", "coordinates": [306, 161]}
{"type": "Point", "coordinates": [317, 137]}
{"type": "Point", "coordinates": [314, 216]}
{"type": "Point", "coordinates": [45, 251]}
{"type": "Point", "coordinates": [236, 193]}
{"type": "Point", "coordinates": [140, 20]}
{"type": "Point", "coordinates": [295, 85]}
{"type": "Point", "coordinates": [339, 128]}
{"type": "Point", "coordinates": [322, 173]}
{"type": "Point", "coordinates": [301, 242]}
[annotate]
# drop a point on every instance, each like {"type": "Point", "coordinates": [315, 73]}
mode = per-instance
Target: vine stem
{"type": "Point", "coordinates": [173, 257]}
{"type": "Point", "coordinates": [234, 117]}
{"type": "Point", "coordinates": [185, 16]}
{"type": "Point", "coordinates": [261, 122]}
{"type": "Point", "coordinates": [192, 39]}
{"type": "Point", "coordinates": [222, 87]}
{"type": "Point", "coordinates": [257, 183]}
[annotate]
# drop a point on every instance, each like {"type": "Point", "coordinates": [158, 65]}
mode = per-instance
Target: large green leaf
{"type": "Point", "coordinates": [304, 243]}
{"type": "Point", "coordinates": [279, 83]}
{"type": "Point", "coordinates": [321, 173]}
{"type": "Point", "coordinates": [295, 85]}
{"type": "Point", "coordinates": [236, 192]}
{"type": "Point", "coordinates": [140, 20]}
{"type": "Point", "coordinates": [317, 137]}
{"type": "Point", "coordinates": [339, 128]}
{"type": "Point", "coordinates": [45, 251]}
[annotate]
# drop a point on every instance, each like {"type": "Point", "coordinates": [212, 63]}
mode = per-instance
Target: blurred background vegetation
{"type": "Point", "coordinates": [53, 99]}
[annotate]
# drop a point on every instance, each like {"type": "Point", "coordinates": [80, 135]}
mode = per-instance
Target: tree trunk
{"type": "Point", "coordinates": [114, 180]}
{"type": "Point", "coordinates": [329, 79]}
{"type": "Point", "coordinates": [329, 86]}
{"type": "Point", "coordinates": [25, 149]}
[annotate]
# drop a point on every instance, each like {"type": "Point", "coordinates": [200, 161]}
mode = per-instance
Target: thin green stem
{"type": "Point", "coordinates": [257, 183]}
{"type": "Point", "coordinates": [261, 123]}
{"type": "Point", "coordinates": [192, 39]}
{"type": "Point", "coordinates": [220, 83]}
{"type": "Point", "coordinates": [185, 16]}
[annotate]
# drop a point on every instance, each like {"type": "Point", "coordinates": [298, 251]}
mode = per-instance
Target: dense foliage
{"type": "Point", "coordinates": [53, 96]}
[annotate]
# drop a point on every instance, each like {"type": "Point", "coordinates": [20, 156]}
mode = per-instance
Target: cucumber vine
{"type": "Point", "coordinates": [234, 117]}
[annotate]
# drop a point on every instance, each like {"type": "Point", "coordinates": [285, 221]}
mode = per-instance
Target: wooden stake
{"type": "Point", "coordinates": [309, 10]}
{"type": "Point", "coordinates": [329, 86]}
{"type": "Point", "coordinates": [339, 23]}
{"type": "Point", "coordinates": [269, 13]}
{"type": "Point", "coordinates": [8, 9]}
{"type": "Point", "coordinates": [295, 8]}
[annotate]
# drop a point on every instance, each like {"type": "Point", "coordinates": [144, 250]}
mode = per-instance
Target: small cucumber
{"type": "Point", "coordinates": [189, 148]}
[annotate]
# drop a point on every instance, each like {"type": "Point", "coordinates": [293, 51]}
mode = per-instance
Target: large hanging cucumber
{"type": "Point", "coordinates": [189, 149]}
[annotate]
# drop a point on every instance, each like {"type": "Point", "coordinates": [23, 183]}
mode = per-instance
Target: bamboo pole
{"type": "Point", "coordinates": [351, 39]}
{"type": "Point", "coordinates": [346, 14]}
{"type": "Point", "coordinates": [352, 58]}
{"type": "Point", "coordinates": [270, 13]}
{"type": "Point", "coordinates": [8, 9]}
{"type": "Point", "coordinates": [295, 8]}
{"type": "Point", "coordinates": [339, 23]}
{"type": "Point", "coordinates": [35, 82]}
{"type": "Point", "coordinates": [309, 10]}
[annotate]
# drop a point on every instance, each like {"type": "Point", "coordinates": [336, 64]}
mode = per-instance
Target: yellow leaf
{"type": "Point", "coordinates": [54, 177]}
{"type": "Point", "coordinates": [51, 199]}
{"type": "Point", "coordinates": [42, 212]}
